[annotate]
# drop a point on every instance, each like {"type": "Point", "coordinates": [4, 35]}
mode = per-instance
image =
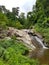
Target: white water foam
{"type": "Point", "coordinates": [40, 42]}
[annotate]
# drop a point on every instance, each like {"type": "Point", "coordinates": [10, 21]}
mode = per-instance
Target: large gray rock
{"type": "Point", "coordinates": [22, 35]}
{"type": "Point", "coordinates": [25, 35]}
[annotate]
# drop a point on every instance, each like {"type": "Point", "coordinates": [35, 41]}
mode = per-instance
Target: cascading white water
{"type": "Point", "coordinates": [36, 40]}
{"type": "Point", "coordinates": [40, 42]}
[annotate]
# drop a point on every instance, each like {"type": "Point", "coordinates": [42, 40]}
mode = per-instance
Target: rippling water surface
{"type": "Point", "coordinates": [41, 54]}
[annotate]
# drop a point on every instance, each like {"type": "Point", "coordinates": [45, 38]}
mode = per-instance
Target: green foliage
{"type": "Point", "coordinates": [11, 18]}
{"type": "Point", "coordinates": [3, 63]}
{"type": "Point", "coordinates": [42, 21]}
{"type": "Point", "coordinates": [18, 25]}
{"type": "Point", "coordinates": [2, 24]}
{"type": "Point", "coordinates": [3, 20]}
{"type": "Point", "coordinates": [43, 31]}
{"type": "Point", "coordinates": [13, 53]}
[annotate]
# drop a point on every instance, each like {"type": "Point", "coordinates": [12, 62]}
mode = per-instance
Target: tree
{"type": "Point", "coordinates": [3, 9]}
{"type": "Point", "coordinates": [3, 20]}
{"type": "Point", "coordinates": [0, 9]}
{"type": "Point", "coordinates": [22, 18]}
{"type": "Point", "coordinates": [15, 11]}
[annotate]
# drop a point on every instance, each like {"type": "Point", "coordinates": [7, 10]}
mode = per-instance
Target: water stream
{"type": "Point", "coordinates": [40, 42]}
{"type": "Point", "coordinates": [41, 52]}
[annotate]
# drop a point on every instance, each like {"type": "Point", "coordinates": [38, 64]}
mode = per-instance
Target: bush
{"type": "Point", "coordinates": [18, 25]}
{"type": "Point", "coordinates": [13, 53]}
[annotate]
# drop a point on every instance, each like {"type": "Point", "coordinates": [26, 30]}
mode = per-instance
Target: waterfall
{"type": "Point", "coordinates": [37, 41]}
{"type": "Point", "coordinates": [40, 42]}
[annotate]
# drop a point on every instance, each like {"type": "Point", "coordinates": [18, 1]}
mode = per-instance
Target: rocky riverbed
{"type": "Point", "coordinates": [28, 36]}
